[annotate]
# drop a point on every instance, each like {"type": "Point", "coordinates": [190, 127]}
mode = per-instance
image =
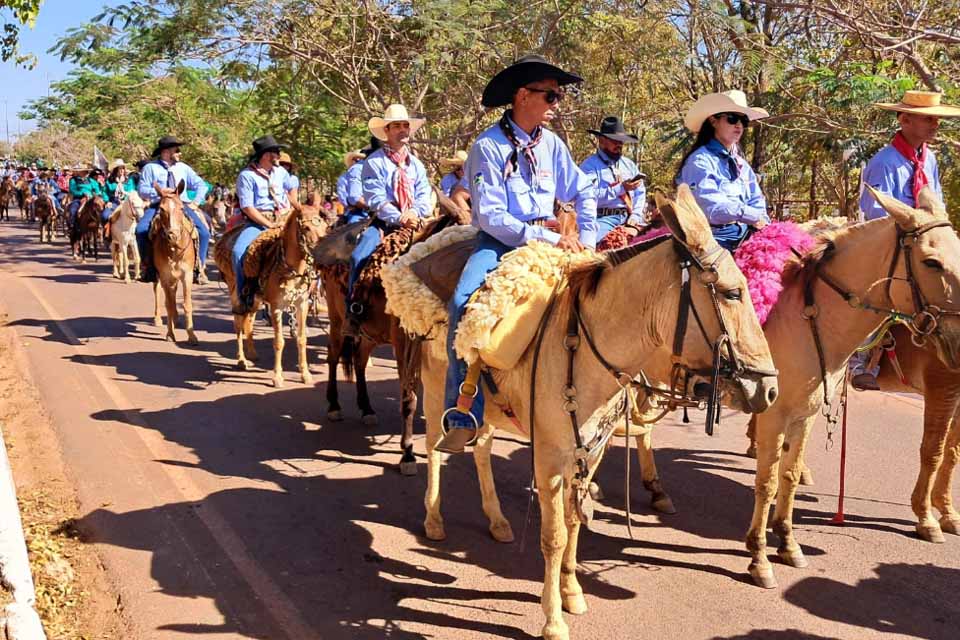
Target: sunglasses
{"type": "Point", "coordinates": [552, 96]}
{"type": "Point", "coordinates": [734, 118]}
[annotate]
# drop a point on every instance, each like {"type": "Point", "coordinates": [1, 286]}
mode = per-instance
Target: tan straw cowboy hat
{"type": "Point", "coordinates": [353, 156]}
{"type": "Point", "coordinates": [734, 101]}
{"type": "Point", "coordinates": [448, 164]}
{"type": "Point", "coordinates": [925, 103]}
{"type": "Point", "coordinates": [118, 162]}
{"type": "Point", "coordinates": [394, 113]}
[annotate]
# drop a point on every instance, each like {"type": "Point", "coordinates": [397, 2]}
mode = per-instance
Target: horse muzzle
{"type": "Point", "coordinates": [757, 392]}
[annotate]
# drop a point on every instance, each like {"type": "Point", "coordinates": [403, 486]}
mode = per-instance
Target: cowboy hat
{"type": "Point", "coordinates": [456, 161]}
{"type": "Point", "coordinates": [925, 103]}
{"type": "Point", "coordinates": [263, 144]}
{"type": "Point", "coordinates": [165, 143]}
{"type": "Point", "coordinates": [530, 68]}
{"type": "Point", "coordinates": [394, 113]}
{"type": "Point", "coordinates": [611, 127]}
{"type": "Point", "coordinates": [353, 156]}
{"type": "Point", "coordinates": [286, 159]}
{"type": "Point", "coordinates": [116, 163]}
{"type": "Point", "coordinates": [734, 101]}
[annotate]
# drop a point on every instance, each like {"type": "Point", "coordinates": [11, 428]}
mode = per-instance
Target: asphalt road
{"type": "Point", "coordinates": [223, 508]}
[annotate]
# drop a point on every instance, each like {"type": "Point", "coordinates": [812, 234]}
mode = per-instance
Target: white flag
{"type": "Point", "coordinates": [99, 160]}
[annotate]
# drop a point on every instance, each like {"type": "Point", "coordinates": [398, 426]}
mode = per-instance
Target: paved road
{"type": "Point", "coordinates": [226, 509]}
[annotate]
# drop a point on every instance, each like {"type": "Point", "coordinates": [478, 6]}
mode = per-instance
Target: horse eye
{"type": "Point", "coordinates": [733, 294]}
{"type": "Point", "coordinates": [933, 264]}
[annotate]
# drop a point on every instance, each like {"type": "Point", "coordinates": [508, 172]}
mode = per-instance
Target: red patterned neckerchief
{"type": "Point", "coordinates": [920, 179]}
{"type": "Point", "coordinates": [513, 162]}
{"type": "Point", "coordinates": [402, 187]}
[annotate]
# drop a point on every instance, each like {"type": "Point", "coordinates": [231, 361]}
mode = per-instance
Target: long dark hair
{"type": "Point", "coordinates": [705, 135]}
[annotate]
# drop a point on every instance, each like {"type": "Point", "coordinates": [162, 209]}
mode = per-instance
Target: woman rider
{"type": "Point", "coordinates": [119, 183]}
{"type": "Point", "coordinates": [722, 181]}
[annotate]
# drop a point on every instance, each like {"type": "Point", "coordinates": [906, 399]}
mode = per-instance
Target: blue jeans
{"type": "Point", "coordinates": [354, 215]}
{"type": "Point", "coordinates": [108, 210]}
{"type": "Point", "coordinates": [729, 236]}
{"type": "Point", "coordinates": [72, 209]}
{"type": "Point", "coordinates": [606, 224]}
{"type": "Point", "coordinates": [143, 231]}
{"type": "Point", "coordinates": [486, 255]}
{"type": "Point", "coordinates": [244, 240]}
{"type": "Point", "coordinates": [366, 245]}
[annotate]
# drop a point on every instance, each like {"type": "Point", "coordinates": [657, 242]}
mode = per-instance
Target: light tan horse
{"type": "Point", "coordinates": [175, 256]}
{"type": "Point", "coordinates": [631, 312]}
{"type": "Point", "coordinates": [857, 261]}
{"type": "Point", "coordinates": [288, 264]}
{"type": "Point", "coordinates": [123, 236]}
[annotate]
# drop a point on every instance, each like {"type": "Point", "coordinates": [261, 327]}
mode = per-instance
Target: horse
{"type": "Point", "coordinates": [46, 213]}
{"type": "Point", "coordinates": [633, 307]}
{"type": "Point", "coordinates": [123, 236]}
{"type": "Point", "coordinates": [25, 197]}
{"type": "Point", "coordinates": [86, 230]}
{"type": "Point", "coordinates": [174, 256]}
{"type": "Point", "coordinates": [286, 274]}
{"type": "Point", "coordinates": [7, 189]}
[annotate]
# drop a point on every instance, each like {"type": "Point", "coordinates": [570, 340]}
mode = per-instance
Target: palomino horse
{"type": "Point", "coordinates": [845, 289]}
{"type": "Point", "coordinates": [630, 308]}
{"type": "Point", "coordinates": [285, 278]}
{"type": "Point", "coordinates": [123, 236]}
{"type": "Point", "coordinates": [175, 256]}
{"type": "Point", "coordinates": [46, 213]}
{"type": "Point", "coordinates": [7, 189]}
{"type": "Point", "coordinates": [85, 234]}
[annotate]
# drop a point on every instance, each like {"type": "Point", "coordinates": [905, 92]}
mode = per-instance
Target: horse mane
{"type": "Point", "coordinates": [806, 266]}
{"type": "Point", "coordinates": [584, 279]}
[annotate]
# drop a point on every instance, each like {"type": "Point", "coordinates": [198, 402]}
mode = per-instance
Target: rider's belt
{"type": "Point", "coordinates": [611, 211]}
{"type": "Point", "coordinates": [540, 222]}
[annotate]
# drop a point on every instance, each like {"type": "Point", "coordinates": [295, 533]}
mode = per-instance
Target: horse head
{"type": "Point", "coordinates": [136, 205]}
{"type": "Point", "coordinates": [172, 219]}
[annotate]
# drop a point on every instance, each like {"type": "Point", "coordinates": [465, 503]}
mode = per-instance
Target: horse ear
{"type": "Point", "coordinates": [668, 211]}
{"type": "Point", "coordinates": [928, 201]}
{"type": "Point", "coordinates": [181, 186]}
{"type": "Point", "coordinates": [905, 215]}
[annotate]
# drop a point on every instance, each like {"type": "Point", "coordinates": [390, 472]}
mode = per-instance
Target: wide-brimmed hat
{"type": "Point", "coordinates": [455, 161]}
{"type": "Point", "coordinates": [165, 143]}
{"type": "Point", "coordinates": [353, 156]}
{"type": "Point", "coordinates": [734, 101]}
{"type": "Point", "coordinates": [394, 113]}
{"type": "Point", "coordinates": [263, 144]}
{"type": "Point", "coordinates": [611, 127]}
{"type": "Point", "coordinates": [80, 167]}
{"type": "Point", "coordinates": [118, 162]}
{"type": "Point", "coordinates": [925, 103]}
{"type": "Point", "coordinates": [530, 68]}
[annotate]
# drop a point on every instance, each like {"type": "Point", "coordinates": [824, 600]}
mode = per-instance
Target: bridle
{"type": "Point", "coordinates": [174, 235]}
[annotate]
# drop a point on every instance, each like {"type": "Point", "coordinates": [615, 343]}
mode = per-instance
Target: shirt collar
{"type": "Point", "coordinates": [522, 136]}
{"type": "Point", "coordinates": [715, 147]}
{"type": "Point", "coordinates": [606, 158]}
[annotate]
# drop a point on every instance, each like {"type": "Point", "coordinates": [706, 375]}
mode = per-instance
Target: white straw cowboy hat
{"type": "Point", "coordinates": [734, 101]}
{"type": "Point", "coordinates": [394, 113]}
{"type": "Point", "coordinates": [353, 156]}
{"type": "Point", "coordinates": [116, 163]}
{"type": "Point", "coordinates": [925, 103]}
{"type": "Point", "coordinates": [456, 161]}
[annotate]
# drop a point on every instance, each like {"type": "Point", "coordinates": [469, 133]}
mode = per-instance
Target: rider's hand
{"type": "Point", "coordinates": [570, 243]}
{"type": "Point", "coordinates": [552, 224]}
{"type": "Point", "coordinates": [630, 185]}
{"type": "Point", "coordinates": [759, 224]}
{"type": "Point", "coordinates": [409, 220]}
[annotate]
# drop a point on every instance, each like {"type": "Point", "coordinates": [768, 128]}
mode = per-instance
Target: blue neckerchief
{"type": "Point", "coordinates": [721, 152]}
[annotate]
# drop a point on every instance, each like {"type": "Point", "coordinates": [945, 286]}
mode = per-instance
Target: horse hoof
{"type": "Point", "coordinates": [794, 559]}
{"type": "Point", "coordinates": [370, 419]}
{"type": "Point", "coordinates": [752, 451]}
{"type": "Point", "coordinates": [556, 630]}
{"type": "Point", "coordinates": [192, 340]}
{"type": "Point", "coordinates": [763, 577]}
{"type": "Point", "coordinates": [930, 533]}
{"type": "Point", "coordinates": [408, 468]}
{"type": "Point", "coordinates": [306, 379]}
{"type": "Point", "coordinates": [335, 416]}
{"type": "Point", "coordinates": [574, 604]}
{"type": "Point", "coordinates": [596, 493]}
{"type": "Point", "coordinates": [663, 504]}
{"type": "Point", "coordinates": [950, 525]}
{"type": "Point", "coordinates": [434, 531]}
{"type": "Point", "coordinates": [277, 383]}
{"type": "Point", "coordinates": [501, 531]}
{"type": "Point", "coordinates": [806, 478]}
{"type": "Point", "coordinates": [157, 322]}
{"type": "Point", "coordinates": [243, 365]}
{"type": "Point", "coordinates": [171, 338]}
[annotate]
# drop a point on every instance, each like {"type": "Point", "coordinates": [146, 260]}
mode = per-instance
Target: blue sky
{"type": "Point", "coordinates": [19, 86]}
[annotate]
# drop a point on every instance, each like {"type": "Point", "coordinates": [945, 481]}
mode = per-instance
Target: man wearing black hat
{"type": "Point", "coordinates": [166, 171]}
{"type": "Point", "coordinates": [621, 196]}
{"type": "Point", "coordinates": [262, 198]}
{"type": "Point", "coordinates": [515, 170]}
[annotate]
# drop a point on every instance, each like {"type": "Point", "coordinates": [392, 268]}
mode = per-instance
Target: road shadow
{"type": "Point", "coordinates": [776, 634]}
{"type": "Point", "coordinates": [89, 327]}
{"type": "Point", "coordinates": [904, 599]}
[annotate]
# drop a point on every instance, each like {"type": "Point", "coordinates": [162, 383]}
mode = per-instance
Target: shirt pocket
{"type": "Point", "coordinates": [733, 190]}
{"type": "Point", "coordinates": [519, 196]}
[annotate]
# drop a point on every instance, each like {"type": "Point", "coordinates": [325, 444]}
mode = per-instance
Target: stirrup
{"type": "Point", "coordinates": [476, 424]}
{"type": "Point", "coordinates": [355, 309]}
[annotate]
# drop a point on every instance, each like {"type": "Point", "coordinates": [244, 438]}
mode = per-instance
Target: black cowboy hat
{"type": "Point", "coordinates": [263, 144]}
{"type": "Point", "coordinates": [530, 68]}
{"type": "Point", "coordinates": [611, 127]}
{"type": "Point", "coordinates": [165, 143]}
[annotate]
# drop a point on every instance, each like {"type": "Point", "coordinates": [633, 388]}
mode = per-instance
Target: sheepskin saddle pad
{"type": "Point", "coordinates": [262, 252]}
{"type": "Point", "coordinates": [502, 316]}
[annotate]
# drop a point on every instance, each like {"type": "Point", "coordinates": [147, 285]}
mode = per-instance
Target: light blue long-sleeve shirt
{"type": "Point", "coordinates": [157, 170]}
{"type": "Point", "coordinates": [291, 182]}
{"type": "Point", "coordinates": [609, 175]}
{"type": "Point", "coordinates": [378, 192]}
{"type": "Point", "coordinates": [890, 172]}
{"type": "Point", "coordinates": [502, 208]}
{"type": "Point", "coordinates": [253, 190]}
{"type": "Point", "coordinates": [350, 185]}
{"type": "Point", "coordinates": [724, 196]}
{"type": "Point", "coordinates": [448, 183]}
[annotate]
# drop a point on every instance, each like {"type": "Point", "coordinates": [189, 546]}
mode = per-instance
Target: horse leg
{"type": "Point", "coordinates": [135, 250]}
{"type": "Point", "coordinates": [769, 441]}
{"type": "Point", "coordinates": [305, 376]}
{"type": "Point", "coordinates": [571, 593]}
{"type": "Point", "coordinates": [938, 412]}
{"type": "Point", "coordinates": [943, 485]}
{"type": "Point", "coordinates": [276, 318]}
{"type": "Point", "coordinates": [157, 292]}
{"type": "Point", "coordinates": [117, 261]}
{"type": "Point", "coordinates": [239, 323]}
{"type": "Point", "coordinates": [499, 526]}
{"type": "Point", "coordinates": [752, 437]}
{"type": "Point", "coordinates": [188, 306]}
{"type": "Point", "coordinates": [170, 297]}
{"type": "Point", "coordinates": [553, 542]}
{"type": "Point", "coordinates": [791, 466]}
{"type": "Point", "coordinates": [408, 410]}
{"type": "Point", "coordinates": [659, 499]}
{"type": "Point", "coordinates": [433, 522]}
{"type": "Point", "coordinates": [334, 346]}
{"type": "Point", "coordinates": [361, 356]}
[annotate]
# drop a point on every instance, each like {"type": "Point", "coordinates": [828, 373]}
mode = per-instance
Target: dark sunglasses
{"type": "Point", "coordinates": [552, 96]}
{"type": "Point", "coordinates": [734, 118]}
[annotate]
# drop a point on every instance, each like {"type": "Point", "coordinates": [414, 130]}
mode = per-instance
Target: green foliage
{"type": "Point", "coordinates": [24, 13]}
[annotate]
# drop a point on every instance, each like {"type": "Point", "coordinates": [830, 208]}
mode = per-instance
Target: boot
{"type": "Point", "coordinates": [455, 440]}
{"type": "Point", "coordinates": [148, 271]}
{"type": "Point", "coordinates": [200, 276]}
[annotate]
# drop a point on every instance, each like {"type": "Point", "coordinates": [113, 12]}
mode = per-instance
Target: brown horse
{"type": "Point", "coordinates": [25, 196]}
{"type": "Point", "coordinates": [45, 212]}
{"type": "Point", "coordinates": [174, 256]}
{"type": "Point", "coordinates": [7, 189]}
{"type": "Point", "coordinates": [85, 234]}
{"type": "Point", "coordinates": [286, 274]}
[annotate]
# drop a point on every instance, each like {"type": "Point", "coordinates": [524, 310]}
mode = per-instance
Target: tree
{"type": "Point", "coordinates": [24, 13]}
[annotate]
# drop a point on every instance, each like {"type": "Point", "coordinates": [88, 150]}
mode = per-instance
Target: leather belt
{"type": "Point", "coordinates": [610, 211]}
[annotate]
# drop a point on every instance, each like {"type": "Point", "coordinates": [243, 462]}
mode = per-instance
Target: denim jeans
{"type": "Point", "coordinates": [366, 245]}
{"type": "Point", "coordinates": [606, 224]}
{"type": "Point", "coordinates": [730, 236]}
{"type": "Point", "coordinates": [354, 215]}
{"type": "Point", "coordinates": [143, 231]}
{"type": "Point", "coordinates": [486, 255]}
{"type": "Point", "coordinates": [108, 210]}
{"type": "Point", "coordinates": [243, 242]}
{"type": "Point", "coordinates": [72, 210]}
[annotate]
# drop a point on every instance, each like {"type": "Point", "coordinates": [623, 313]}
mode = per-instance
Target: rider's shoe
{"type": "Point", "coordinates": [865, 382]}
{"type": "Point", "coordinates": [456, 439]}
{"type": "Point", "coordinates": [200, 277]}
{"type": "Point", "coordinates": [149, 274]}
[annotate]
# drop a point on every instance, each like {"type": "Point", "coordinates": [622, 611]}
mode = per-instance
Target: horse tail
{"type": "Point", "coordinates": [348, 349]}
